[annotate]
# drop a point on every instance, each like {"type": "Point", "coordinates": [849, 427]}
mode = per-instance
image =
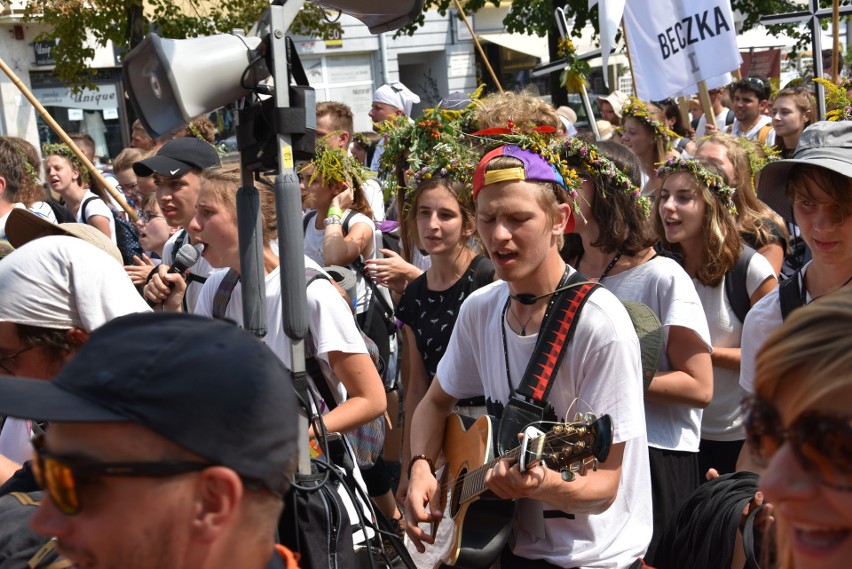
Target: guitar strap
{"type": "Point", "coordinates": [527, 403]}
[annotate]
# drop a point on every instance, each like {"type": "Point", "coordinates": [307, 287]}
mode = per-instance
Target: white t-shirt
{"type": "Point", "coordinates": [4, 218]}
{"type": "Point", "coordinates": [723, 418]}
{"type": "Point", "coordinates": [762, 320]}
{"type": "Point", "coordinates": [15, 440]}
{"type": "Point", "coordinates": [375, 197]}
{"type": "Point", "coordinates": [721, 123]}
{"type": "Point", "coordinates": [313, 250]}
{"type": "Point", "coordinates": [96, 207]}
{"type": "Point", "coordinates": [665, 288]}
{"type": "Point", "coordinates": [332, 327]}
{"type": "Point", "coordinates": [763, 120]}
{"type": "Point", "coordinates": [200, 269]}
{"type": "Point", "coordinates": [377, 155]}
{"type": "Point", "coordinates": [601, 371]}
{"type": "Point", "coordinates": [42, 209]}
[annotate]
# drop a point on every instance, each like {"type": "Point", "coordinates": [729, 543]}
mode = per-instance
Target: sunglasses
{"type": "Point", "coordinates": [62, 476]}
{"type": "Point", "coordinates": [821, 443]}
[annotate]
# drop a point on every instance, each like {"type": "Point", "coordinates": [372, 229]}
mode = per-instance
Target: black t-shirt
{"type": "Point", "coordinates": [432, 314]}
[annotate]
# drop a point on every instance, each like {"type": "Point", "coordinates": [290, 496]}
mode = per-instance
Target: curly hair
{"type": "Point", "coordinates": [202, 128]}
{"type": "Point", "coordinates": [30, 189]}
{"type": "Point", "coordinates": [722, 242]}
{"type": "Point", "coordinates": [524, 109]}
{"type": "Point", "coordinates": [11, 169]}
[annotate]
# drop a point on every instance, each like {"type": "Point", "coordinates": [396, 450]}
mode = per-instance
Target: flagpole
{"type": "Point", "coordinates": [704, 97]}
{"type": "Point", "coordinates": [835, 52]}
{"type": "Point", "coordinates": [629, 59]}
{"type": "Point", "coordinates": [478, 46]}
{"type": "Point", "coordinates": [66, 139]}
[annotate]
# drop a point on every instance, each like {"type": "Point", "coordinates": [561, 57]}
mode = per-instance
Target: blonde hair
{"type": "Point", "coordinates": [524, 109]}
{"type": "Point", "coordinates": [722, 242]}
{"type": "Point", "coordinates": [752, 214]}
{"type": "Point", "coordinates": [223, 182]}
{"type": "Point", "coordinates": [127, 158]}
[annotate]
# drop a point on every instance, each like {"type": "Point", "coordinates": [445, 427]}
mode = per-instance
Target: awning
{"type": "Point", "coordinates": [531, 45]}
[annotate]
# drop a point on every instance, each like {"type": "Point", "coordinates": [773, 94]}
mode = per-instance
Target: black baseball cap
{"type": "Point", "coordinates": [203, 384]}
{"type": "Point", "coordinates": [177, 157]}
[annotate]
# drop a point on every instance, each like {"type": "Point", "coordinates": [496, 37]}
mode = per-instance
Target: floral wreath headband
{"type": "Point", "coordinates": [436, 144]}
{"type": "Point", "coordinates": [335, 166]}
{"type": "Point", "coordinates": [65, 152]}
{"type": "Point", "coordinates": [697, 170]}
{"type": "Point", "coordinates": [29, 169]}
{"type": "Point", "coordinates": [836, 99]}
{"type": "Point", "coordinates": [636, 109]}
{"type": "Point", "coordinates": [599, 165]}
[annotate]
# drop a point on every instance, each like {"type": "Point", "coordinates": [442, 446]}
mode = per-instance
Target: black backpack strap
{"type": "Point", "coordinates": [790, 294]}
{"type": "Point", "coordinates": [312, 365]}
{"type": "Point", "coordinates": [729, 119]}
{"type": "Point", "coordinates": [735, 284]}
{"type": "Point", "coordinates": [347, 219]}
{"type": "Point", "coordinates": [306, 221]}
{"type": "Point", "coordinates": [222, 297]}
{"type": "Point", "coordinates": [83, 208]}
{"type": "Point", "coordinates": [556, 334]}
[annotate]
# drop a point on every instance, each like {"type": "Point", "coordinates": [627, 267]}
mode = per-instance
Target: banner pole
{"type": "Point", "coordinates": [704, 97]}
{"type": "Point", "coordinates": [835, 52]}
{"type": "Point", "coordinates": [683, 109]}
{"type": "Point", "coordinates": [65, 139]}
{"type": "Point", "coordinates": [589, 112]}
{"type": "Point", "coordinates": [629, 59]}
{"type": "Point", "coordinates": [478, 46]}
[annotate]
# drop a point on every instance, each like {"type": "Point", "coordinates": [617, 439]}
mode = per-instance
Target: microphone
{"type": "Point", "coordinates": [186, 257]}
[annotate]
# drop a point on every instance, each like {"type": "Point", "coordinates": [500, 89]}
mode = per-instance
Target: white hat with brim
{"type": "Point", "coordinates": [23, 226]}
{"type": "Point", "coordinates": [823, 144]}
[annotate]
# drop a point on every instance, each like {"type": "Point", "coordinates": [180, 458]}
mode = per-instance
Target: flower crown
{"type": "Point", "coordinates": [573, 77]}
{"type": "Point", "coordinates": [29, 169]}
{"type": "Point", "coordinates": [542, 141]}
{"type": "Point", "coordinates": [336, 166]}
{"type": "Point", "coordinates": [836, 99]}
{"type": "Point", "coordinates": [436, 146]}
{"type": "Point", "coordinates": [713, 182]}
{"type": "Point", "coordinates": [634, 108]}
{"type": "Point", "coordinates": [755, 162]}
{"type": "Point", "coordinates": [599, 165]}
{"type": "Point", "coordinates": [64, 151]}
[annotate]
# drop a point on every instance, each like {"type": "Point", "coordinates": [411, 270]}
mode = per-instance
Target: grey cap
{"type": "Point", "coordinates": [824, 144]}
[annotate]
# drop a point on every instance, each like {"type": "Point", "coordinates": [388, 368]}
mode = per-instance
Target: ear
{"type": "Point", "coordinates": [399, 112]}
{"type": "Point", "coordinates": [345, 139]}
{"type": "Point", "coordinates": [76, 337]}
{"type": "Point", "coordinates": [218, 495]}
{"type": "Point", "coordinates": [564, 221]}
{"type": "Point", "coordinates": [2, 185]}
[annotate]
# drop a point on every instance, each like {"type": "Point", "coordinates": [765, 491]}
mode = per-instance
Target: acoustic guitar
{"type": "Point", "coordinates": [481, 523]}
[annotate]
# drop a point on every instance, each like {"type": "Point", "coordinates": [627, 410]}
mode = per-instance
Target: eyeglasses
{"type": "Point", "coordinates": [147, 216]}
{"type": "Point", "coordinates": [10, 358]}
{"type": "Point", "coordinates": [62, 476]}
{"type": "Point", "coordinates": [821, 443]}
{"type": "Point", "coordinates": [126, 187]}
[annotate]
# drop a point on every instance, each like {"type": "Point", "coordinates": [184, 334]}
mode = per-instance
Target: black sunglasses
{"type": "Point", "coordinates": [822, 443]}
{"type": "Point", "coordinates": [61, 476]}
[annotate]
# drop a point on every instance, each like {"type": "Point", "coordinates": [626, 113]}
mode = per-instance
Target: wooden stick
{"type": "Point", "coordinates": [67, 140]}
{"type": "Point", "coordinates": [478, 46]}
{"type": "Point", "coordinates": [835, 52]}
{"type": "Point", "coordinates": [629, 59]}
{"type": "Point", "coordinates": [704, 97]}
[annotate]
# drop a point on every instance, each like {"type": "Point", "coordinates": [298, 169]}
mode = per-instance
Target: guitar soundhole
{"type": "Point", "coordinates": [455, 495]}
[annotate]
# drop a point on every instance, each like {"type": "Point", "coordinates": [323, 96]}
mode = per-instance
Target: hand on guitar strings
{"type": "Point", "coordinates": [422, 505]}
{"type": "Point", "coordinates": [507, 481]}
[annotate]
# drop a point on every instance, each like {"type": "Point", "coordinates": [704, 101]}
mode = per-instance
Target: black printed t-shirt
{"type": "Point", "coordinates": [432, 314]}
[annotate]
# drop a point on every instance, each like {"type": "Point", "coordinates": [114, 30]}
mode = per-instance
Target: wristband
{"type": "Point", "coordinates": [335, 211]}
{"type": "Point", "coordinates": [331, 220]}
{"type": "Point", "coordinates": [417, 457]}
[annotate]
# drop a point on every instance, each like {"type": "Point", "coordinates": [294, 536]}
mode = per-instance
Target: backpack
{"type": "Point", "coordinates": [735, 284]}
{"type": "Point", "coordinates": [126, 236]}
{"type": "Point", "coordinates": [60, 211]}
{"type": "Point", "coordinates": [790, 294]}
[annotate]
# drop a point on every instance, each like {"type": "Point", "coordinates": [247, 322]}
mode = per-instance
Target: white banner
{"type": "Point", "coordinates": [674, 44]}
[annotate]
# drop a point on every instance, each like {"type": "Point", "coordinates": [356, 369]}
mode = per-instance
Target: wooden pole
{"type": "Point", "coordinates": [478, 46]}
{"type": "Point", "coordinates": [65, 139]}
{"type": "Point", "coordinates": [629, 59]}
{"type": "Point", "coordinates": [704, 97]}
{"type": "Point", "coordinates": [835, 52]}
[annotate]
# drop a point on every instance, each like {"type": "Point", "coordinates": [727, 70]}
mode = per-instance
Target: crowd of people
{"type": "Point", "coordinates": [484, 259]}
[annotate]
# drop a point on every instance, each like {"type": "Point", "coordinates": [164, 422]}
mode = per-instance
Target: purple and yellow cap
{"type": "Point", "coordinates": [535, 169]}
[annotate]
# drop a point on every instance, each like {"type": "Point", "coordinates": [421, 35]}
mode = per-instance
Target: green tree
{"type": "Point", "coordinates": [125, 23]}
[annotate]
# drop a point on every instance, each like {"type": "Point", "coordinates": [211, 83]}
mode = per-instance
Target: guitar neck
{"type": "Point", "coordinates": [474, 481]}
